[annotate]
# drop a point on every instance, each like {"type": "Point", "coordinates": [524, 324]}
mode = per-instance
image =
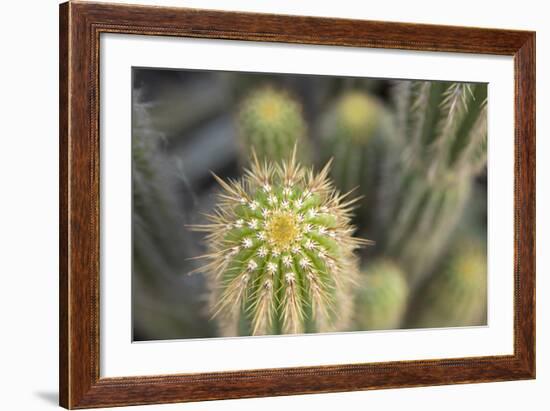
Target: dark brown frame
{"type": "Point", "coordinates": [81, 24]}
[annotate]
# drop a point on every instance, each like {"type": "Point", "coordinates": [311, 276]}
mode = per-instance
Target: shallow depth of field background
{"type": "Point", "coordinates": [185, 126]}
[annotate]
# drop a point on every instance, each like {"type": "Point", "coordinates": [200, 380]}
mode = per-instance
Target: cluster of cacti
{"type": "Point", "coordinates": [457, 296]}
{"type": "Point", "coordinates": [355, 132]}
{"type": "Point", "coordinates": [381, 297]}
{"type": "Point", "coordinates": [271, 123]}
{"type": "Point", "coordinates": [442, 127]}
{"type": "Point", "coordinates": [278, 240]}
{"type": "Point", "coordinates": [440, 141]}
{"type": "Point", "coordinates": [282, 251]}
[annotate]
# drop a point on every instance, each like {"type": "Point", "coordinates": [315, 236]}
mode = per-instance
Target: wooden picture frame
{"type": "Point", "coordinates": [80, 27]}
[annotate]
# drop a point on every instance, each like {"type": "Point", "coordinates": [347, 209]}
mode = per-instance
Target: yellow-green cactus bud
{"type": "Point", "coordinates": [357, 117]}
{"type": "Point", "coordinates": [457, 296]}
{"type": "Point", "coordinates": [270, 123]}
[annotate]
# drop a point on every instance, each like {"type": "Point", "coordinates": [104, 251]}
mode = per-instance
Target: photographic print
{"type": "Point", "coordinates": [235, 184]}
{"type": "Point", "coordinates": [274, 204]}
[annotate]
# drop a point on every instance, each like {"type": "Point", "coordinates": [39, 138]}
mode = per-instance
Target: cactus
{"type": "Point", "coordinates": [443, 126]}
{"type": "Point", "coordinates": [458, 295]}
{"type": "Point", "coordinates": [270, 123]}
{"type": "Point", "coordinates": [354, 132]}
{"type": "Point", "coordinates": [381, 298]}
{"type": "Point", "coordinates": [153, 205]}
{"type": "Point", "coordinates": [157, 243]}
{"type": "Point", "coordinates": [281, 251]}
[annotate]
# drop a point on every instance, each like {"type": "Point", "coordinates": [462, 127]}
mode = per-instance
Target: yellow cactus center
{"type": "Point", "coordinates": [470, 267]}
{"type": "Point", "coordinates": [270, 110]}
{"type": "Point", "coordinates": [282, 230]}
{"type": "Point", "coordinates": [358, 114]}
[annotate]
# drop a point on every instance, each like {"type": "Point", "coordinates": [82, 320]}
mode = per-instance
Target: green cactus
{"type": "Point", "coordinates": [456, 296]}
{"type": "Point", "coordinates": [157, 243]}
{"type": "Point", "coordinates": [381, 298]}
{"type": "Point", "coordinates": [281, 251]}
{"type": "Point", "coordinates": [354, 133]}
{"type": "Point", "coordinates": [443, 127]}
{"type": "Point", "coordinates": [270, 122]}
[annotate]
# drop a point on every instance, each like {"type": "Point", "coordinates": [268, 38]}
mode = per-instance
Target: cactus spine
{"type": "Point", "coordinates": [458, 295]}
{"type": "Point", "coordinates": [281, 251]}
{"type": "Point", "coordinates": [443, 126]}
{"type": "Point", "coordinates": [354, 132]}
{"type": "Point", "coordinates": [382, 297]}
{"type": "Point", "coordinates": [270, 123]}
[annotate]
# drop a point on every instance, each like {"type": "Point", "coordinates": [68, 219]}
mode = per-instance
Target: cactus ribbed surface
{"type": "Point", "coordinates": [270, 123]}
{"type": "Point", "coordinates": [456, 296]}
{"type": "Point", "coordinates": [381, 297]}
{"type": "Point", "coordinates": [443, 127]}
{"type": "Point", "coordinates": [354, 133]}
{"type": "Point", "coordinates": [281, 251]}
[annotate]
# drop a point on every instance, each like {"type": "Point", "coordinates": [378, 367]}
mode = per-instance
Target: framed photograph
{"type": "Point", "coordinates": [259, 205]}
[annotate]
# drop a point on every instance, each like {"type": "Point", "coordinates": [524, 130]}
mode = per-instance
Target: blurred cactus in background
{"type": "Point", "coordinates": [442, 128]}
{"type": "Point", "coordinates": [155, 211]}
{"type": "Point", "coordinates": [381, 298]}
{"type": "Point", "coordinates": [355, 132]}
{"type": "Point", "coordinates": [157, 239]}
{"type": "Point", "coordinates": [281, 251]}
{"type": "Point", "coordinates": [270, 123]}
{"type": "Point", "coordinates": [456, 296]}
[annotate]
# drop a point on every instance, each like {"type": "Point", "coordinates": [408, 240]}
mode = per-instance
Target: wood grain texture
{"type": "Point", "coordinates": [80, 27]}
{"type": "Point", "coordinates": [63, 205]}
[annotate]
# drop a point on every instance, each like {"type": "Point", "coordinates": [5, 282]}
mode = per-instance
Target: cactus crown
{"type": "Point", "coordinates": [281, 247]}
{"type": "Point", "coordinates": [358, 115]}
{"type": "Point", "coordinates": [469, 265]}
{"type": "Point", "coordinates": [271, 123]}
{"type": "Point", "coordinates": [456, 296]}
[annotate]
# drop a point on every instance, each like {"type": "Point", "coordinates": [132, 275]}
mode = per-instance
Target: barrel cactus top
{"type": "Point", "coordinates": [357, 116]}
{"type": "Point", "coordinates": [281, 247]}
{"type": "Point", "coordinates": [270, 122]}
{"type": "Point", "coordinates": [456, 296]}
{"type": "Point", "coordinates": [467, 268]}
